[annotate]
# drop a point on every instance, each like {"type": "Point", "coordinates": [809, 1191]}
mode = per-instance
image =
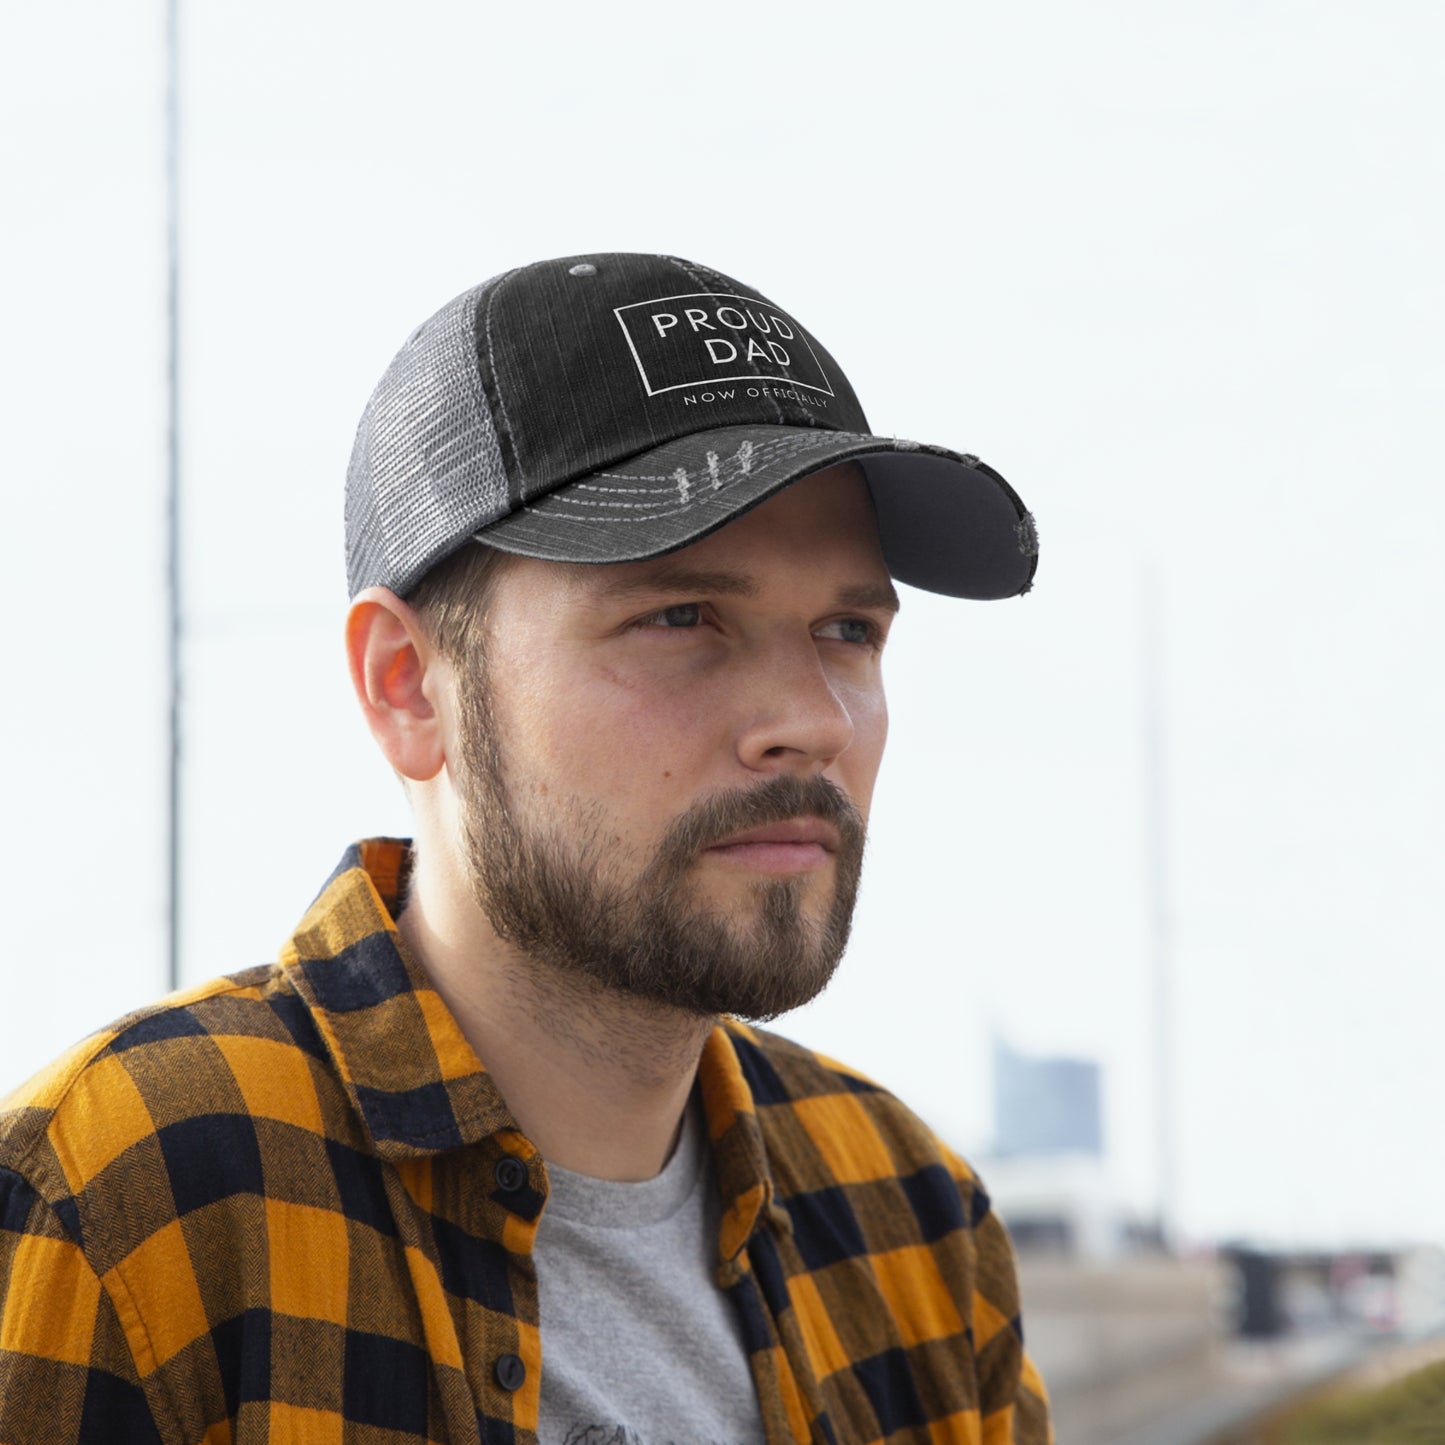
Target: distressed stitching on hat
{"type": "Point", "coordinates": [652, 509]}
{"type": "Point", "coordinates": [758, 454]}
{"type": "Point", "coordinates": [673, 494]}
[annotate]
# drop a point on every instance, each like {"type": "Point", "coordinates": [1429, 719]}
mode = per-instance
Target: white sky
{"type": "Point", "coordinates": [1174, 270]}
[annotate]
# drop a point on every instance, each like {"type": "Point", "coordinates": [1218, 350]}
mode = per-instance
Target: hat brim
{"type": "Point", "coordinates": [947, 522]}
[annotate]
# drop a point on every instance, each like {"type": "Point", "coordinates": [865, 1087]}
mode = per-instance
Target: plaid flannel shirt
{"type": "Point", "coordinates": [290, 1205]}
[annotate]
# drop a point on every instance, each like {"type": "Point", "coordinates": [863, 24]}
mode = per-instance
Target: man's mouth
{"type": "Point", "coordinates": [796, 845]}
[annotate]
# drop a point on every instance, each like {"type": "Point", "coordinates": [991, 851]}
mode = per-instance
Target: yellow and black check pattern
{"type": "Point", "coordinates": [290, 1205]}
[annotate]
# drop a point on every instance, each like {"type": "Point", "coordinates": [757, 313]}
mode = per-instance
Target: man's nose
{"type": "Point", "coordinates": [793, 718]}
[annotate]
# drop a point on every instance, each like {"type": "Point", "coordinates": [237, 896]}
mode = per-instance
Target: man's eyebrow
{"type": "Point", "coordinates": [870, 596]}
{"type": "Point", "coordinates": [693, 582]}
{"type": "Point", "coordinates": [688, 581]}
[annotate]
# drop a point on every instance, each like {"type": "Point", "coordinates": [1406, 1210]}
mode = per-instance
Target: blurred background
{"type": "Point", "coordinates": [1152, 924]}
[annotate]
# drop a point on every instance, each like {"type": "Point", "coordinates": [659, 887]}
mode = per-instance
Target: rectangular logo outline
{"type": "Point", "coordinates": [826, 389]}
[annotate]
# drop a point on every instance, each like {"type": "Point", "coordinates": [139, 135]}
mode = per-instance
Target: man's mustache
{"type": "Point", "coordinates": [714, 819]}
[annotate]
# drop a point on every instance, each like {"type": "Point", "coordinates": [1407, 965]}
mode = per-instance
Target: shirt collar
{"type": "Point", "coordinates": [413, 1079]}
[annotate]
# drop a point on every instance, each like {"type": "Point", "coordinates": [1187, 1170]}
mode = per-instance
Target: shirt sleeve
{"type": "Point", "coordinates": [1012, 1399]}
{"type": "Point", "coordinates": [67, 1374]}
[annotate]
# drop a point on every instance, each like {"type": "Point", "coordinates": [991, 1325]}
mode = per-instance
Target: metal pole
{"type": "Point", "coordinates": [173, 530]}
{"type": "Point", "coordinates": [1161, 942]}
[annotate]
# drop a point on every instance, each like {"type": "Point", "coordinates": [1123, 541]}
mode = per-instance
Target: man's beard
{"type": "Point", "coordinates": [544, 890]}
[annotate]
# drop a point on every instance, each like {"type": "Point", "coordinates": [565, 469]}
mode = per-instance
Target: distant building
{"type": "Point", "coordinates": [1047, 1171]}
{"type": "Point", "coordinates": [1045, 1106]}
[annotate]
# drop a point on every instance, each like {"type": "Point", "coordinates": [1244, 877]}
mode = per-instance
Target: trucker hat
{"type": "Point", "coordinates": [614, 407]}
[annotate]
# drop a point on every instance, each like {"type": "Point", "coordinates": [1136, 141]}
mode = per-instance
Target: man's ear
{"type": "Point", "coordinates": [398, 677]}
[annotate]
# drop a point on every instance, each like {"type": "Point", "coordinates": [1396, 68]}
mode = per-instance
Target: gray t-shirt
{"type": "Point", "coordinates": [639, 1346]}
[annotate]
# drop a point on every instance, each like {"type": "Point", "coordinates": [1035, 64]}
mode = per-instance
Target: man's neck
{"type": "Point", "coordinates": [596, 1079]}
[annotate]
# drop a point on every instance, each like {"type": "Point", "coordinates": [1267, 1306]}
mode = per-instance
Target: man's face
{"type": "Point", "coordinates": [664, 767]}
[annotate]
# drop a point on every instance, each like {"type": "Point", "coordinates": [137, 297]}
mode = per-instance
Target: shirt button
{"type": "Point", "coordinates": [510, 1174]}
{"type": "Point", "coordinates": [510, 1372]}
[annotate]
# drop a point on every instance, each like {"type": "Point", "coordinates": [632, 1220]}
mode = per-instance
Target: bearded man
{"type": "Point", "coordinates": [489, 1154]}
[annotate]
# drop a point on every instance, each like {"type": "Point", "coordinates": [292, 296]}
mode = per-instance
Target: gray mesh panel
{"type": "Point", "coordinates": [426, 470]}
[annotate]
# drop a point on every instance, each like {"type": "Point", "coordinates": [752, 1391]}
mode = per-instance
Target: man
{"type": "Point", "coordinates": [487, 1155]}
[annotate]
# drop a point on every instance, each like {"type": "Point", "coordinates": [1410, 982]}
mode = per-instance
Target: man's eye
{"type": "Point", "coordinates": [683, 614]}
{"type": "Point", "coordinates": [849, 629]}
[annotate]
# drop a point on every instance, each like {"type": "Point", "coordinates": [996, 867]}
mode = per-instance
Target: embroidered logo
{"type": "Point", "coordinates": [703, 338]}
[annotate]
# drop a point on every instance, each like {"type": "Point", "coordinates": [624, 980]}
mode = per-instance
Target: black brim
{"type": "Point", "coordinates": [947, 522]}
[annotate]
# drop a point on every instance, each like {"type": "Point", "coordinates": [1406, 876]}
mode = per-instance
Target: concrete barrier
{"type": "Point", "coordinates": [1123, 1344]}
